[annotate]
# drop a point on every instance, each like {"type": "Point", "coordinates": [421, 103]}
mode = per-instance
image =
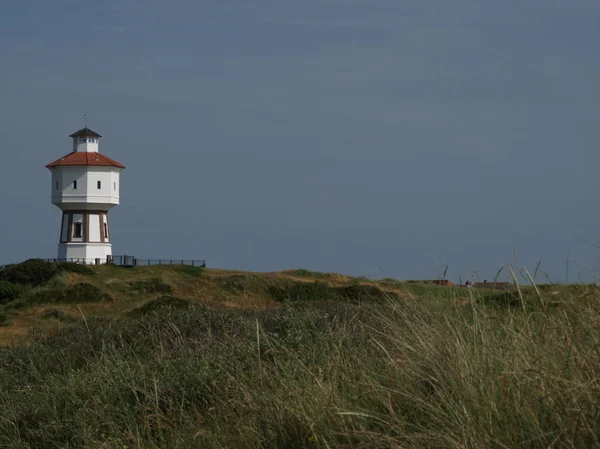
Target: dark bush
{"type": "Point", "coordinates": [42, 295]}
{"type": "Point", "coordinates": [31, 272]}
{"type": "Point", "coordinates": [303, 291]}
{"type": "Point", "coordinates": [363, 293]}
{"type": "Point", "coordinates": [164, 302]}
{"type": "Point", "coordinates": [234, 284]}
{"type": "Point", "coordinates": [319, 291]}
{"type": "Point", "coordinates": [251, 283]}
{"type": "Point", "coordinates": [155, 285]}
{"type": "Point", "coordinates": [77, 293]}
{"type": "Point", "coordinates": [310, 274]}
{"type": "Point", "coordinates": [57, 315]}
{"type": "Point", "coordinates": [73, 267]}
{"type": "Point", "coordinates": [84, 292]}
{"type": "Point", "coordinates": [190, 271]}
{"type": "Point", "coordinates": [9, 291]}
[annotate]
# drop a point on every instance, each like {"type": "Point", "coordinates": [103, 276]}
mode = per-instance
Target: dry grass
{"type": "Point", "coordinates": [214, 288]}
{"type": "Point", "coordinates": [417, 371]}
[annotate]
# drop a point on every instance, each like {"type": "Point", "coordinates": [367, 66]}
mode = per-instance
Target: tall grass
{"type": "Point", "coordinates": [406, 373]}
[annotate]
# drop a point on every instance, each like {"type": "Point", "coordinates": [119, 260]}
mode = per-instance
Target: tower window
{"type": "Point", "coordinates": [99, 184]}
{"type": "Point", "coordinates": [77, 230]}
{"type": "Point", "coordinates": [74, 185]}
{"type": "Point", "coordinates": [56, 185]}
{"type": "Point", "coordinates": [106, 231]}
{"type": "Point", "coordinates": [115, 186]}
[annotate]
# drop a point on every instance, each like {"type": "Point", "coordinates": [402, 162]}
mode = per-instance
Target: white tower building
{"type": "Point", "coordinates": [85, 186]}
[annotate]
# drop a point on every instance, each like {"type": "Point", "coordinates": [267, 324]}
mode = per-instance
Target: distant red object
{"type": "Point", "coordinates": [494, 285]}
{"type": "Point", "coordinates": [444, 282]}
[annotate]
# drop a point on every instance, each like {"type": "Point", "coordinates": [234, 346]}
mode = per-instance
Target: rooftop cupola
{"type": "Point", "coordinates": [85, 140]}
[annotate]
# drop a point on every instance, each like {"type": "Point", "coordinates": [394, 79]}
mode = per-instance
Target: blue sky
{"type": "Point", "coordinates": [378, 137]}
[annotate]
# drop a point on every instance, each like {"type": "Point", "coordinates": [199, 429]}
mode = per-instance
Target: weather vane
{"type": "Point", "coordinates": [85, 120]}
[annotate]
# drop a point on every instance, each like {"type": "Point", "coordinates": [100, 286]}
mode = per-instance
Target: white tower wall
{"type": "Point", "coordinates": [85, 144]}
{"type": "Point", "coordinates": [76, 187]}
{"type": "Point", "coordinates": [84, 252]}
{"type": "Point", "coordinates": [85, 186]}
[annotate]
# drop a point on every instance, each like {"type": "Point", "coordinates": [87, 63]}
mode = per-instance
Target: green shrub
{"type": "Point", "coordinates": [3, 319]}
{"type": "Point", "coordinates": [251, 283]}
{"type": "Point", "coordinates": [363, 293]}
{"type": "Point", "coordinates": [41, 295]}
{"type": "Point", "coordinates": [303, 291]}
{"type": "Point", "coordinates": [310, 274]}
{"type": "Point", "coordinates": [84, 292]}
{"type": "Point", "coordinates": [73, 267]}
{"type": "Point", "coordinates": [154, 285]}
{"type": "Point", "coordinates": [56, 314]}
{"type": "Point", "coordinates": [9, 291]}
{"type": "Point", "coordinates": [59, 292]}
{"type": "Point", "coordinates": [160, 304]}
{"type": "Point", "coordinates": [36, 272]}
{"type": "Point", "coordinates": [360, 279]}
{"type": "Point", "coordinates": [234, 284]}
{"type": "Point", "coordinates": [319, 291]}
{"type": "Point", "coordinates": [31, 272]}
{"type": "Point", "coordinates": [188, 270]}
{"type": "Point", "coordinates": [301, 272]}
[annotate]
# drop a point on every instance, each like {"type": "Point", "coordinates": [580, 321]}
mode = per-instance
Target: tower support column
{"type": "Point", "coordinates": [84, 236]}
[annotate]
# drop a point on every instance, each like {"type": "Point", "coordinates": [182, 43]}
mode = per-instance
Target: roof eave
{"type": "Point", "coordinates": [85, 132]}
{"type": "Point", "coordinates": [120, 166]}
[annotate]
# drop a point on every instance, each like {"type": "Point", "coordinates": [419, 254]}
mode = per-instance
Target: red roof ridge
{"type": "Point", "coordinates": [81, 158]}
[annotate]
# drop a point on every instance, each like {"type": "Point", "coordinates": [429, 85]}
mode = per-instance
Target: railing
{"type": "Point", "coordinates": [190, 263]}
{"type": "Point", "coordinates": [134, 261]}
{"type": "Point", "coordinates": [131, 261]}
{"type": "Point", "coordinates": [78, 260]}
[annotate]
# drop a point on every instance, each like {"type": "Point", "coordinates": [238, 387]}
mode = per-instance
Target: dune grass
{"type": "Point", "coordinates": [431, 372]}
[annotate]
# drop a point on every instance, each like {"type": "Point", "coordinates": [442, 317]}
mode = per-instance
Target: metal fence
{"type": "Point", "coordinates": [78, 260]}
{"type": "Point", "coordinates": [134, 261]}
{"type": "Point", "coordinates": [131, 261]}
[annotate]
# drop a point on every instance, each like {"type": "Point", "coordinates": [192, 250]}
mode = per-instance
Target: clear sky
{"type": "Point", "coordinates": [368, 137]}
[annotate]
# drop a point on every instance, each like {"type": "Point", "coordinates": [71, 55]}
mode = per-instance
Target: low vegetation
{"type": "Point", "coordinates": [242, 360]}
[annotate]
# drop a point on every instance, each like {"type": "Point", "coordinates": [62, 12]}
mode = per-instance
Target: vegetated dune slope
{"type": "Point", "coordinates": [74, 292]}
{"type": "Point", "coordinates": [159, 357]}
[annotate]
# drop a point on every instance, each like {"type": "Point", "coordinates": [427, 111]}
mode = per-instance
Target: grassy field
{"type": "Point", "coordinates": [174, 357]}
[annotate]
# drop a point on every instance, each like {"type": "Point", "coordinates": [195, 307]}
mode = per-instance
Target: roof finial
{"type": "Point", "coordinates": [85, 120]}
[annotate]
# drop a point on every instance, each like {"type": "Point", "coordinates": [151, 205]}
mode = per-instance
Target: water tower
{"type": "Point", "coordinates": [85, 186]}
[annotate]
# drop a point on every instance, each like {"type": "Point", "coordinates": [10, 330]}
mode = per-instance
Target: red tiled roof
{"type": "Point", "coordinates": [85, 132]}
{"type": "Point", "coordinates": [85, 158]}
